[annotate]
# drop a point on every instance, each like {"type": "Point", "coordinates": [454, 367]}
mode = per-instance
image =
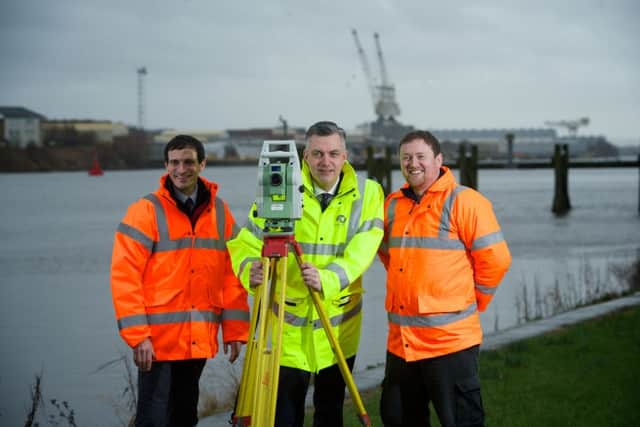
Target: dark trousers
{"type": "Point", "coordinates": [328, 396]}
{"type": "Point", "coordinates": [450, 383]}
{"type": "Point", "coordinates": [168, 394]}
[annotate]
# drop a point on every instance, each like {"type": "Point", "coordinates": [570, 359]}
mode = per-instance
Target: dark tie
{"type": "Point", "coordinates": [324, 198]}
{"type": "Point", "coordinates": [189, 205]}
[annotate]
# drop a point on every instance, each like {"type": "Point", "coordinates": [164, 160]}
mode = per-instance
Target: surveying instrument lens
{"type": "Point", "coordinates": [276, 179]}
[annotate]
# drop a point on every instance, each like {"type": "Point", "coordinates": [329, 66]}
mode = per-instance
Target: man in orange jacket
{"type": "Point", "coordinates": [445, 256]}
{"type": "Point", "coordinates": [173, 285]}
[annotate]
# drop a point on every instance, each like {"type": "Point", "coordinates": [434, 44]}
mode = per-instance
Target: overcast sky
{"type": "Point", "coordinates": [215, 64]}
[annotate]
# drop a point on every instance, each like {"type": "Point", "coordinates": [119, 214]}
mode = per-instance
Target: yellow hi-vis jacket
{"type": "Point", "coordinates": [173, 282]}
{"type": "Point", "coordinates": [341, 242]}
{"type": "Point", "coordinates": [445, 256]}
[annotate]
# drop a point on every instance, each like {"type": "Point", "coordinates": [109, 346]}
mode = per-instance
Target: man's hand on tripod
{"type": "Point", "coordinates": [256, 274]}
{"type": "Point", "coordinates": [311, 276]}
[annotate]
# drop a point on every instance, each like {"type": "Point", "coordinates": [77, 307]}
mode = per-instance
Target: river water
{"type": "Point", "coordinates": [56, 232]}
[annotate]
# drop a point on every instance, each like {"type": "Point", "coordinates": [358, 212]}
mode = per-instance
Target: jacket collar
{"type": "Point", "coordinates": [444, 181]}
{"type": "Point", "coordinates": [204, 186]}
{"type": "Point", "coordinates": [348, 179]}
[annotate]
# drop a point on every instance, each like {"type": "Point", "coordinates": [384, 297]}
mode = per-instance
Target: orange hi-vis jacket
{"type": "Point", "coordinates": [445, 256]}
{"type": "Point", "coordinates": [173, 282]}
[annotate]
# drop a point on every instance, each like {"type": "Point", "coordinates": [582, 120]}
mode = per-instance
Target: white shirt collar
{"type": "Point", "coordinates": [318, 191]}
{"type": "Point", "coordinates": [183, 197]}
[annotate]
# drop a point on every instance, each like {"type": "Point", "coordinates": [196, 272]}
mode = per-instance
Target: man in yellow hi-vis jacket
{"type": "Point", "coordinates": [340, 231]}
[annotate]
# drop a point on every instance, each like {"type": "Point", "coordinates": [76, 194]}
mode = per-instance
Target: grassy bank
{"type": "Point", "coordinates": [583, 375]}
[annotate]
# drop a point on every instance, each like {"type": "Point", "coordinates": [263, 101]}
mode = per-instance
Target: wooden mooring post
{"type": "Point", "coordinates": [509, 137]}
{"type": "Point", "coordinates": [560, 162]}
{"type": "Point", "coordinates": [379, 166]}
{"type": "Point", "coordinates": [468, 165]}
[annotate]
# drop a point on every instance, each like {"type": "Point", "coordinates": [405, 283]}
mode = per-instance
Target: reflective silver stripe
{"type": "Point", "coordinates": [208, 243]}
{"type": "Point", "coordinates": [169, 317]}
{"type": "Point", "coordinates": [384, 247]}
{"type": "Point", "coordinates": [173, 245]}
{"type": "Point", "coordinates": [431, 320]}
{"type": "Point", "coordinates": [487, 240]}
{"type": "Point", "coordinates": [337, 249]}
{"type": "Point", "coordinates": [135, 320]}
{"type": "Point", "coordinates": [253, 228]}
{"type": "Point", "coordinates": [136, 235]}
{"type": "Point", "coordinates": [441, 242]}
{"type": "Point", "coordinates": [235, 315]}
{"type": "Point", "coordinates": [371, 224]}
{"type": "Point", "coordinates": [356, 211]}
{"type": "Point", "coordinates": [246, 262]}
{"type": "Point", "coordinates": [290, 319]}
{"type": "Point", "coordinates": [342, 274]}
{"type": "Point", "coordinates": [445, 215]}
{"type": "Point", "coordinates": [220, 219]}
{"type": "Point", "coordinates": [234, 231]}
{"type": "Point", "coordinates": [323, 248]}
{"type": "Point", "coordinates": [391, 214]}
{"type": "Point", "coordinates": [425, 243]}
{"type": "Point", "coordinates": [340, 318]}
{"type": "Point", "coordinates": [486, 290]}
{"type": "Point", "coordinates": [161, 220]}
{"type": "Point", "coordinates": [165, 244]}
{"type": "Point", "coordinates": [293, 320]}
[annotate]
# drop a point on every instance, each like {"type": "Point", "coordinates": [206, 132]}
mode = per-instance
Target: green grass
{"type": "Point", "coordinates": [583, 375]}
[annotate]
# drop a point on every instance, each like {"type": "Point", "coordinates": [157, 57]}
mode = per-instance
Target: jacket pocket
{"type": "Point", "coordinates": [431, 302]}
{"type": "Point", "coordinates": [215, 293]}
{"type": "Point", "coordinates": [161, 293]}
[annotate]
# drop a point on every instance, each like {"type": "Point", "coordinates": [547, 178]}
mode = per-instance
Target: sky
{"type": "Point", "coordinates": [214, 64]}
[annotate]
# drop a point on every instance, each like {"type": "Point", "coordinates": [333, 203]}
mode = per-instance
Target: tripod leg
{"type": "Point", "coordinates": [277, 337]}
{"type": "Point", "coordinates": [242, 412]}
{"type": "Point", "coordinates": [263, 377]}
{"type": "Point", "coordinates": [259, 387]}
{"type": "Point", "coordinates": [255, 385]}
{"type": "Point", "coordinates": [335, 346]}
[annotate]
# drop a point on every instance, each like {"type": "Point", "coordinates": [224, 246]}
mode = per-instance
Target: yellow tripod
{"type": "Point", "coordinates": [258, 392]}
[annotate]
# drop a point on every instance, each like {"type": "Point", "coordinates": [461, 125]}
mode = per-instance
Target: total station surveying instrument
{"type": "Point", "coordinates": [279, 202]}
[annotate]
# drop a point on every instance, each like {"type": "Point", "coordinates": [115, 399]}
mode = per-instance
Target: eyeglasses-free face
{"type": "Point", "coordinates": [183, 168]}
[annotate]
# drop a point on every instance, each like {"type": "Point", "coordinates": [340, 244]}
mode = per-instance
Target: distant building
{"type": "Point", "coordinates": [20, 127]}
{"type": "Point", "coordinates": [527, 143]}
{"type": "Point", "coordinates": [384, 131]}
{"type": "Point", "coordinates": [228, 144]}
{"type": "Point", "coordinates": [207, 137]}
{"type": "Point", "coordinates": [492, 143]}
{"type": "Point", "coordinates": [203, 135]}
{"type": "Point", "coordinates": [589, 146]}
{"type": "Point", "coordinates": [83, 132]}
{"type": "Point", "coordinates": [247, 143]}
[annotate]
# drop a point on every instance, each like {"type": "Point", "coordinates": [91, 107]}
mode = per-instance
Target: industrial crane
{"type": "Point", "coordinates": [571, 125]}
{"type": "Point", "coordinates": [384, 94]}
